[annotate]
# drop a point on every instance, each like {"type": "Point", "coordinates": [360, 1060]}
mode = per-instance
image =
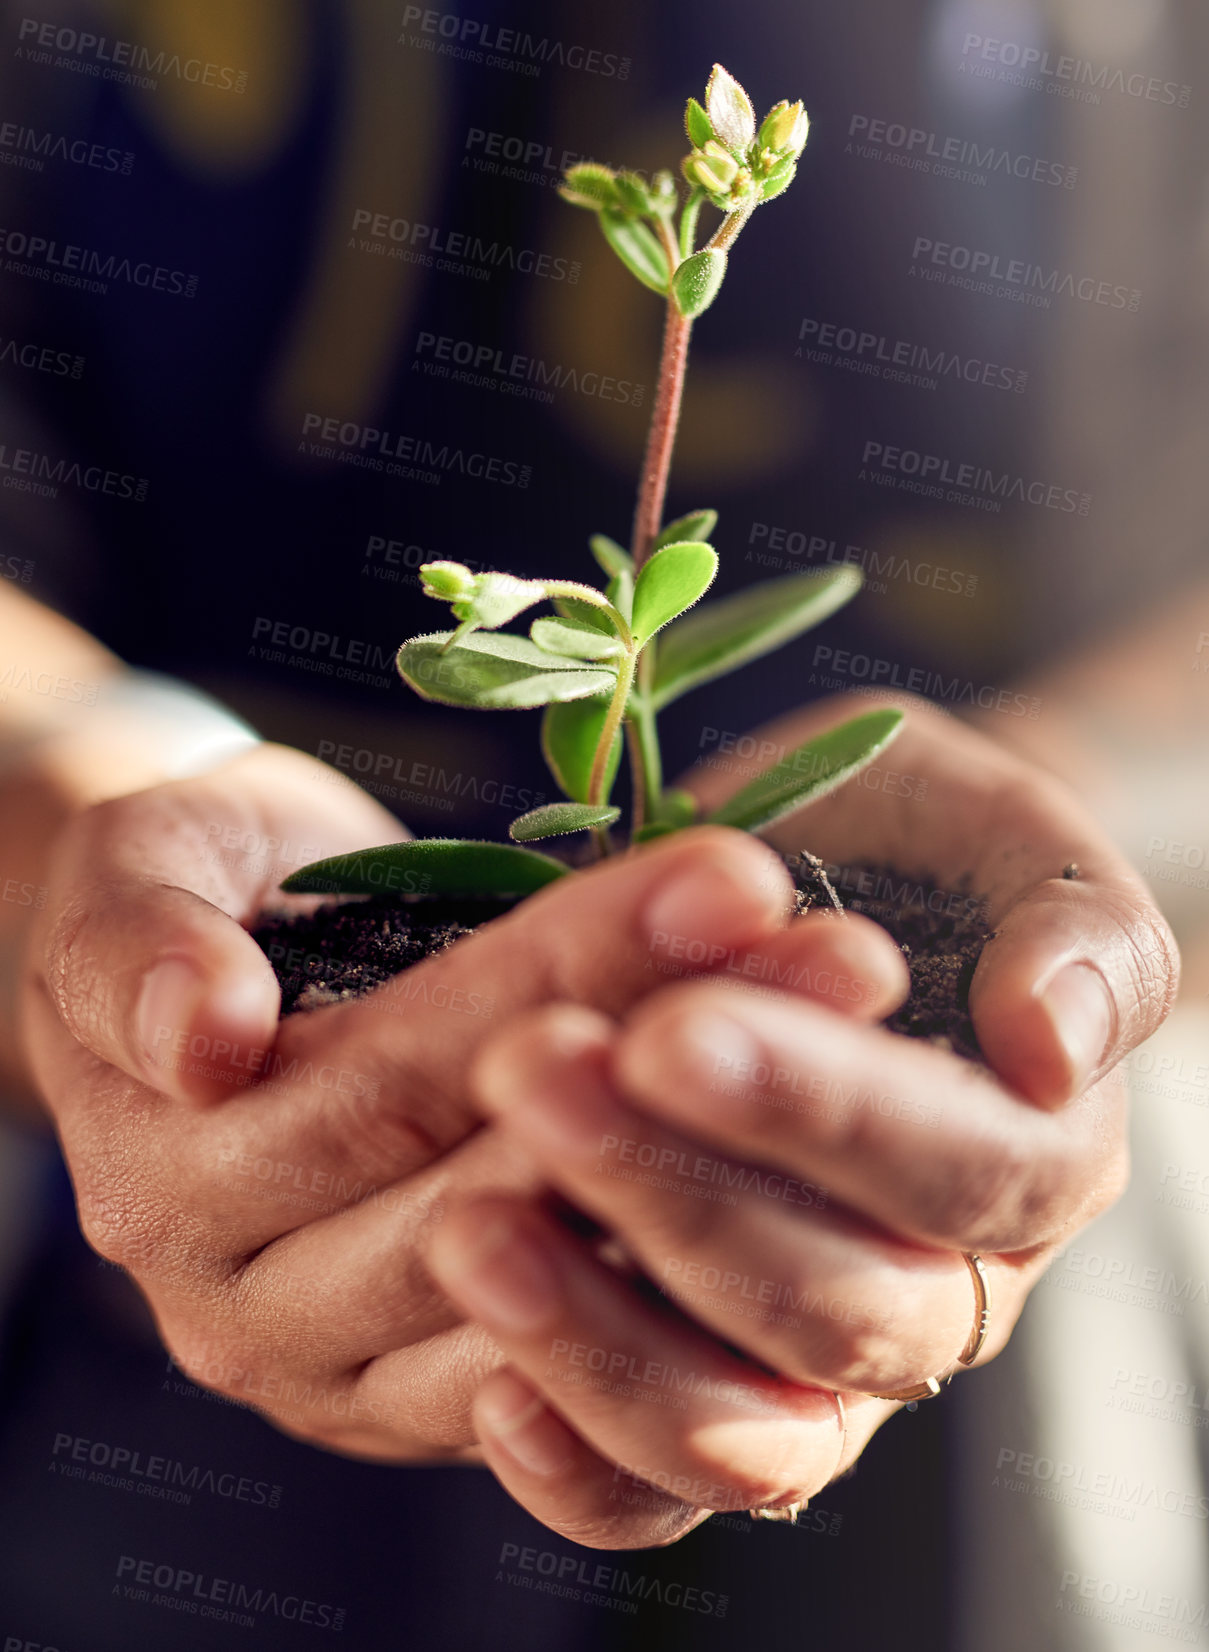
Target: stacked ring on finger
{"type": "Point", "coordinates": [982, 1305]}
{"type": "Point", "coordinates": [789, 1512]}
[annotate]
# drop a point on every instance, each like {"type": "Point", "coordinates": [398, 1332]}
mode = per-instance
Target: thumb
{"type": "Point", "coordinates": [1079, 972]}
{"type": "Point", "coordinates": [141, 948]}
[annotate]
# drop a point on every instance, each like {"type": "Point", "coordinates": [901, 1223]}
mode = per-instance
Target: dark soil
{"type": "Point", "coordinates": [341, 951]}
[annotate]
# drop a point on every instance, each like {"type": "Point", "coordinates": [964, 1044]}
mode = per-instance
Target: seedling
{"type": "Point", "coordinates": [609, 659]}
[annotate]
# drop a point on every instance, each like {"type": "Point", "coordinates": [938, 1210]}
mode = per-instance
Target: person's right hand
{"type": "Point", "coordinates": [272, 1189]}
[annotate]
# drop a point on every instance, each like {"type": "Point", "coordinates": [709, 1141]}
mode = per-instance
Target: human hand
{"type": "Point", "coordinates": [923, 1156]}
{"type": "Point", "coordinates": [273, 1189]}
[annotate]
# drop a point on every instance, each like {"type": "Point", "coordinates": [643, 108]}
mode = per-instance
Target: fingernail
{"type": "Point", "coordinates": [501, 1277]}
{"type": "Point", "coordinates": [709, 907]}
{"type": "Point", "coordinates": [1081, 1013]}
{"type": "Point", "coordinates": [166, 1007]}
{"type": "Point", "coordinates": [521, 1424]}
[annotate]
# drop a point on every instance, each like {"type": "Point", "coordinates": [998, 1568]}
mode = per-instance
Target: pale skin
{"type": "Point", "coordinates": [409, 1260]}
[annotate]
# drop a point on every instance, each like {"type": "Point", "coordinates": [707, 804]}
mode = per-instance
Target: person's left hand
{"type": "Point", "coordinates": [701, 1133]}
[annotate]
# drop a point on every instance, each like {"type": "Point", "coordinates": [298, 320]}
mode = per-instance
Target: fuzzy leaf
{"type": "Point", "coordinates": [696, 124]}
{"type": "Point", "coordinates": [731, 631]}
{"type": "Point", "coordinates": [729, 109]}
{"type": "Point", "coordinates": [495, 672]}
{"type": "Point", "coordinates": [576, 642]}
{"type": "Point", "coordinates": [696, 282]}
{"type": "Point", "coordinates": [570, 735]}
{"type": "Point", "coordinates": [778, 180]}
{"type": "Point", "coordinates": [632, 192]}
{"type": "Point", "coordinates": [677, 808]}
{"type": "Point", "coordinates": [670, 581]}
{"type": "Point", "coordinates": [811, 771]}
{"type": "Point", "coordinates": [585, 614]}
{"type": "Point", "coordinates": [620, 592]}
{"type": "Point", "coordinates": [589, 185]}
{"type": "Point", "coordinates": [429, 866]}
{"type": "Point", "coordinates": [557, 819]}
{"type": "Point", "coordinates": [638, 248]}
{"type": "Point", "coordinates": [696, 525]}
{"type": "Point", "coordinates": [610, 555]}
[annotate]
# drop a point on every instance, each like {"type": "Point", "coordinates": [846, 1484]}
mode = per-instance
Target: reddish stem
{"type": "Point", "coordinates": [661, 438]}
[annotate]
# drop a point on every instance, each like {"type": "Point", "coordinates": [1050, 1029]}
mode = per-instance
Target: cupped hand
{"type": "Point", "coordinates": [796, 1185]}
{"type": "Point", "coordinates": [274, 1189]}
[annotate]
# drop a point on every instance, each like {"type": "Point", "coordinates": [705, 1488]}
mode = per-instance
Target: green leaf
{"type": "Point", "coordinates": [677, 808]}
{"type": "Point", "coordinates": [696, 124]}
{"type": "Point", "coordinates": [494, 672]}
{"type": "Point", "coordinates": [577, 642]}
{"type": "Point", "coordinates": [653, 829]}
{"type": "Point", "coordinates": [620, 592]}
{"type": "Point", "coordinates": [778, 180]}
{"type": "Point", "coordinates": [696, 525]}
{"type": "Point", "coordinates": [557, 819]}
{"type": "Point", "coordinates": [570, 735]}
{"type": "Point", "coordinates": [638, 248]}
{"type": "Point", "coordinates": [429, 866]}
{"type": "Point", "coordinates": [610, 555]}
{"type": "Point", "coordinates": [731, 631]}
{"type": "Point", "coordinates": [811, 771]}
{"type": "Point", "coordinates": [585, 614]}
{"type": "Point", "coordinates": [696, 281]}
{"type": "Point", "coordinates": [589, 185]}
{"type": "Point", "coordinates": [670, 581]}
{"type": "Point", "coordinates": [632, 192]}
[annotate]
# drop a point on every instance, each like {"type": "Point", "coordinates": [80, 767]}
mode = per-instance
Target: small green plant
{"type": "Point", "coordinates": [609, 660]}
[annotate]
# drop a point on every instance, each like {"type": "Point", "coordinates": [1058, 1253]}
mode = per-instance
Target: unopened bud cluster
{"type": "Point", "coordinates": [734, 165]}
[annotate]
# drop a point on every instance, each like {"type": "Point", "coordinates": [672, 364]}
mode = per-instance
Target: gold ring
{"type": "Point", "coordinates": [982, 1318]}
{"type": "Point", "coordinates": [788, 1512]}
{"type": "Point", "coordinates": [982, 1301]}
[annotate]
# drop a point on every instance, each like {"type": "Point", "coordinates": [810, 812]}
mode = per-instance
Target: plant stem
{"type": "Point", "coordinates": [609, 730]}
{"type": "Point", "coordinates": [661, 438]}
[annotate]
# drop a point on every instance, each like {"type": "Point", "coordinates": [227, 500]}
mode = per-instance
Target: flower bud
{"type": "Point", "coordinates": [785, 128]}
{"type": "Point", "coordinates": [729, 109]}
{"type": "Point", "coordinates": [589, 185]}
{"type": "Point", "coordinates": [447, 581]}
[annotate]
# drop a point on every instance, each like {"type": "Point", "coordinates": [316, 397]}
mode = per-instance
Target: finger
{"type": "Point", "coordinates": [1079, 972]}
{"type": "Point", "coordinates": [744, 1438]}
{"type": "Point", "coordinates": [142, 960]}
{"type": "Point", "coordinates": [405, 1047]}
{"type": "Point", "coordinates": [763, 1260]}
{"type": "Point", "coordinates": [1082, 968]}
{"type": "Point", "coordinates": [562, 1482]}
{"type": "Point", "coordinates": [928, 1146]}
